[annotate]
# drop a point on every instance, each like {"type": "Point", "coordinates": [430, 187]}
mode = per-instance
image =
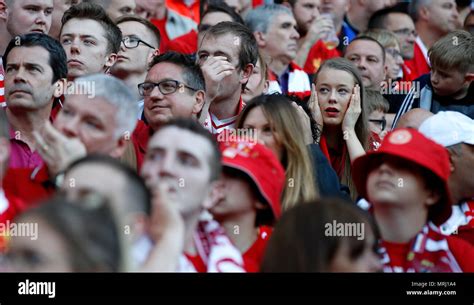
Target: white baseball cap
{"type": "Point", "coordinates": [449, 128]}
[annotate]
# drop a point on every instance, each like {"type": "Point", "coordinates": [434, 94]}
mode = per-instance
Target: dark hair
{"type": "Point", "coordinates": [194, 127]}
{"type": "Point", "coordinates": [192, 73]}
{"type": "Point", "coordinates": [89, 229]}
{"type": "Point", "coordinates": [248, 53]}
{"type": "Point", "coordinates": [153, 29]}
{"type": "Point", "coordinates": [377, 20]}
{"type": "Point", "coordinates": [57, 55]}
{"type": "Point", "coordinates": [221, 7]}
{"type": "Point", "coordinates": [97, 13]}
{"type": "Point", "coordinates": [139, 197]}
{"type": "Point", "coordinates": [299, 242]}
{"type": "Point", "coordinates": [368, 38]}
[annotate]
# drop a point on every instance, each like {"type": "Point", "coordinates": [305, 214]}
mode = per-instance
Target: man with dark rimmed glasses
{"type": "Point", "coordinates": [140, 43]}
{"type": "Point", "coordinates": [174, 87]}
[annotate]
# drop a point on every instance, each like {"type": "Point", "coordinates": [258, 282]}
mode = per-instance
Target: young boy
{"type": "Point", "coordinates": [449, 85]}
{"type": "Point", "coordinates": [378, 107]}
{"type": "Point", "coordinates": [406, 181]}
{"type": "Point", "coordinates": [249, 197]}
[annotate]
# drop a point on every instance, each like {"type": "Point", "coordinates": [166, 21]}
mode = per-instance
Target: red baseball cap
{"type": "Point", "coordinates": [260, 165]}
{"type": "Point", "coordinates": [411, 145]}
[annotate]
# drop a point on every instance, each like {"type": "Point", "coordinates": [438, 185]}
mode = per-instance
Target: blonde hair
{"type": "Point", "coordinates": [453, 52]}
{"type": "Point", "coordinates": [296, 158]}
{"type": "Point", "coordinates": [386, 38]}
{"type": "Point", "coordinates": [361, 127]}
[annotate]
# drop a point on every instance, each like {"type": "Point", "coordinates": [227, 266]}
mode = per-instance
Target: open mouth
{"type": "Point", "coordinates": [332, 112]}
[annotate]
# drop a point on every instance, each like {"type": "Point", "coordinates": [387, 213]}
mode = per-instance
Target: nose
{"type": "Point", "coordinates": [75, 49]}
{"type": "Point", "coordinates": [332, 96]}
{"type": "Point", "coordinates": [295, 34]}
{"type": "Point", "coordinates": [40, 18]}
{"type": "Point", "coordinates": [156, 93]}
{"type": "Point", "coordinates": [434, 78]}
{"type": "Point", "coordinates": [166, 166]}
{"type": "Point", "coordinates": [19, 76]}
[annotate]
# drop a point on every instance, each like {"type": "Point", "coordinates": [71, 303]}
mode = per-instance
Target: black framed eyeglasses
{"type": "Point", "coordinates": [131, 42]}
{"type": "Point", "coordinates": [406, 32]}
{"type": "Point", "coordinates": [382, 123]}
{"type": "Point", "coordinates": [166, 87]}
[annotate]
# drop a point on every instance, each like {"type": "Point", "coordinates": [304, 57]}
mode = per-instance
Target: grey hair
{"type": "Point", "coordinates": [259, 19]}
{"type": "Point", "coordinates": [415, 6]}
{"type": "Point", "coordinates": [116, 93]}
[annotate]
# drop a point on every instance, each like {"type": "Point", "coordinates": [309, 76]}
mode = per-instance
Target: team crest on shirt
{"type": "Point", "coordinates": [400, 137]}
{"type": "Point", "coordinates": [243, 149]}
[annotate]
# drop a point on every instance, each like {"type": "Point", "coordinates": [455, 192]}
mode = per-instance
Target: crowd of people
{"type": "Point", "coordinates": [237, 136]}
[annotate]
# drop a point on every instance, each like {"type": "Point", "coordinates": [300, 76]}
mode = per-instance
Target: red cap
{"type": "Point", "coordinates": [260, 165]}
{"type": "Point", "coordinates": [411, 145]}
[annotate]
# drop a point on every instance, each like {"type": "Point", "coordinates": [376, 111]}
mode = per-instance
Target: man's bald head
{"type": "Point", "coordinates": [413, 118]}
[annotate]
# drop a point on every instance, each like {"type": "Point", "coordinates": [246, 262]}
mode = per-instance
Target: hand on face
{"type": "Point", "coordinates": [57, 150]}
{"type": "Point", "coordinates": [319, 28]}
{"type": "Point", "coordinates": [215, 69]}
{"type": "Point", "coordinates": [353, 111]}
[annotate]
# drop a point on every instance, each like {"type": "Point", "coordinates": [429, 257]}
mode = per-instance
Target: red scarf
{"type": "Point", "coordinates": [338, 162]}
{"type": "Point", "coordinates": [428, 252]}
{"type": "Point", "coordinates": [215, 250]}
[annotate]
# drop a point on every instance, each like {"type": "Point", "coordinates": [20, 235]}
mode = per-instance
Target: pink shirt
{"type": "Point", "coordinates": [20, 155]}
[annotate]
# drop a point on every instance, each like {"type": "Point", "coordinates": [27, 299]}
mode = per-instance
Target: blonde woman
{"type": "Point", "coordinates": [278, 126]}
{"type": "Point", "coordinates": [337, 104]}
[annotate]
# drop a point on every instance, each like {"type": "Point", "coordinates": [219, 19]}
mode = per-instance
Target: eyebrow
{"type": "Point", "coordinates": [27, 64]}
{"type": "Point", "coordinates": [82, 36]}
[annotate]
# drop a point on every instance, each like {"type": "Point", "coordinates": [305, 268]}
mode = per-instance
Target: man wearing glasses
{"type": "Point", "coordinates": [140, 43]}
{"type": "Point", "coordinates": [174, 87]}
{"type": "Point", "coordinates": [396, 20]}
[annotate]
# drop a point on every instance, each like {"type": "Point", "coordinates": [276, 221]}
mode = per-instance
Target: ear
{"type": "Point", "coordinates": [61, 87]}
{"type": "Point", "coordinates": [3, 11]}
{"type": "Point", "coordinates": [452, 161]}
{"type": "Point", "coordinates": [118, 151]}
{"type": "Point", "coordinates": [424, 13]}
{"type": "Point", "coordinates": [200, 99]}
{"type": "Point", "coordinates": [110, 61]}
{"type": "Point", "coordinates": [155, 52]}
{"type": "Point", "coordinates": [266, 86]}
{"type": "Point", "coordinates": [261, 39]}
{"type": "Point", "coordinates": [260, 206]}
{"type": "Point", "coordinates": [433, 197]}
{"type": "Point", "coordinates": [468, 78]}
{"type": "Point", "coordinates": [246, 73]}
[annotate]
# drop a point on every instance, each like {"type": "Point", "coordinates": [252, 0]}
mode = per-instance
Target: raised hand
{"type": "Point", "coordinates": [57, 150]}
{"type": "Point", "coordinates": [353, 111]}
{"type": "Point", "coordinates": [215, 69]}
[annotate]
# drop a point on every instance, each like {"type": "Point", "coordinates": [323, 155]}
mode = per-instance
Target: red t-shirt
{"type": "Point", "coordinates": [160, 24]}
{"type": "Point", "coordinates": [418, 65]}
{"type": "Point", "coordinates": [140, 137]}
{"type": "Point", "coordinates": [181, 8]}
{"type": "Point", "coordinates": [185, 44]}
{"type": "Point", "coordinates": [2, 85]}
{"type": "Point", "coordinates": [254, 255]}
{"type": "Point", "coordinates": [319, 53]}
